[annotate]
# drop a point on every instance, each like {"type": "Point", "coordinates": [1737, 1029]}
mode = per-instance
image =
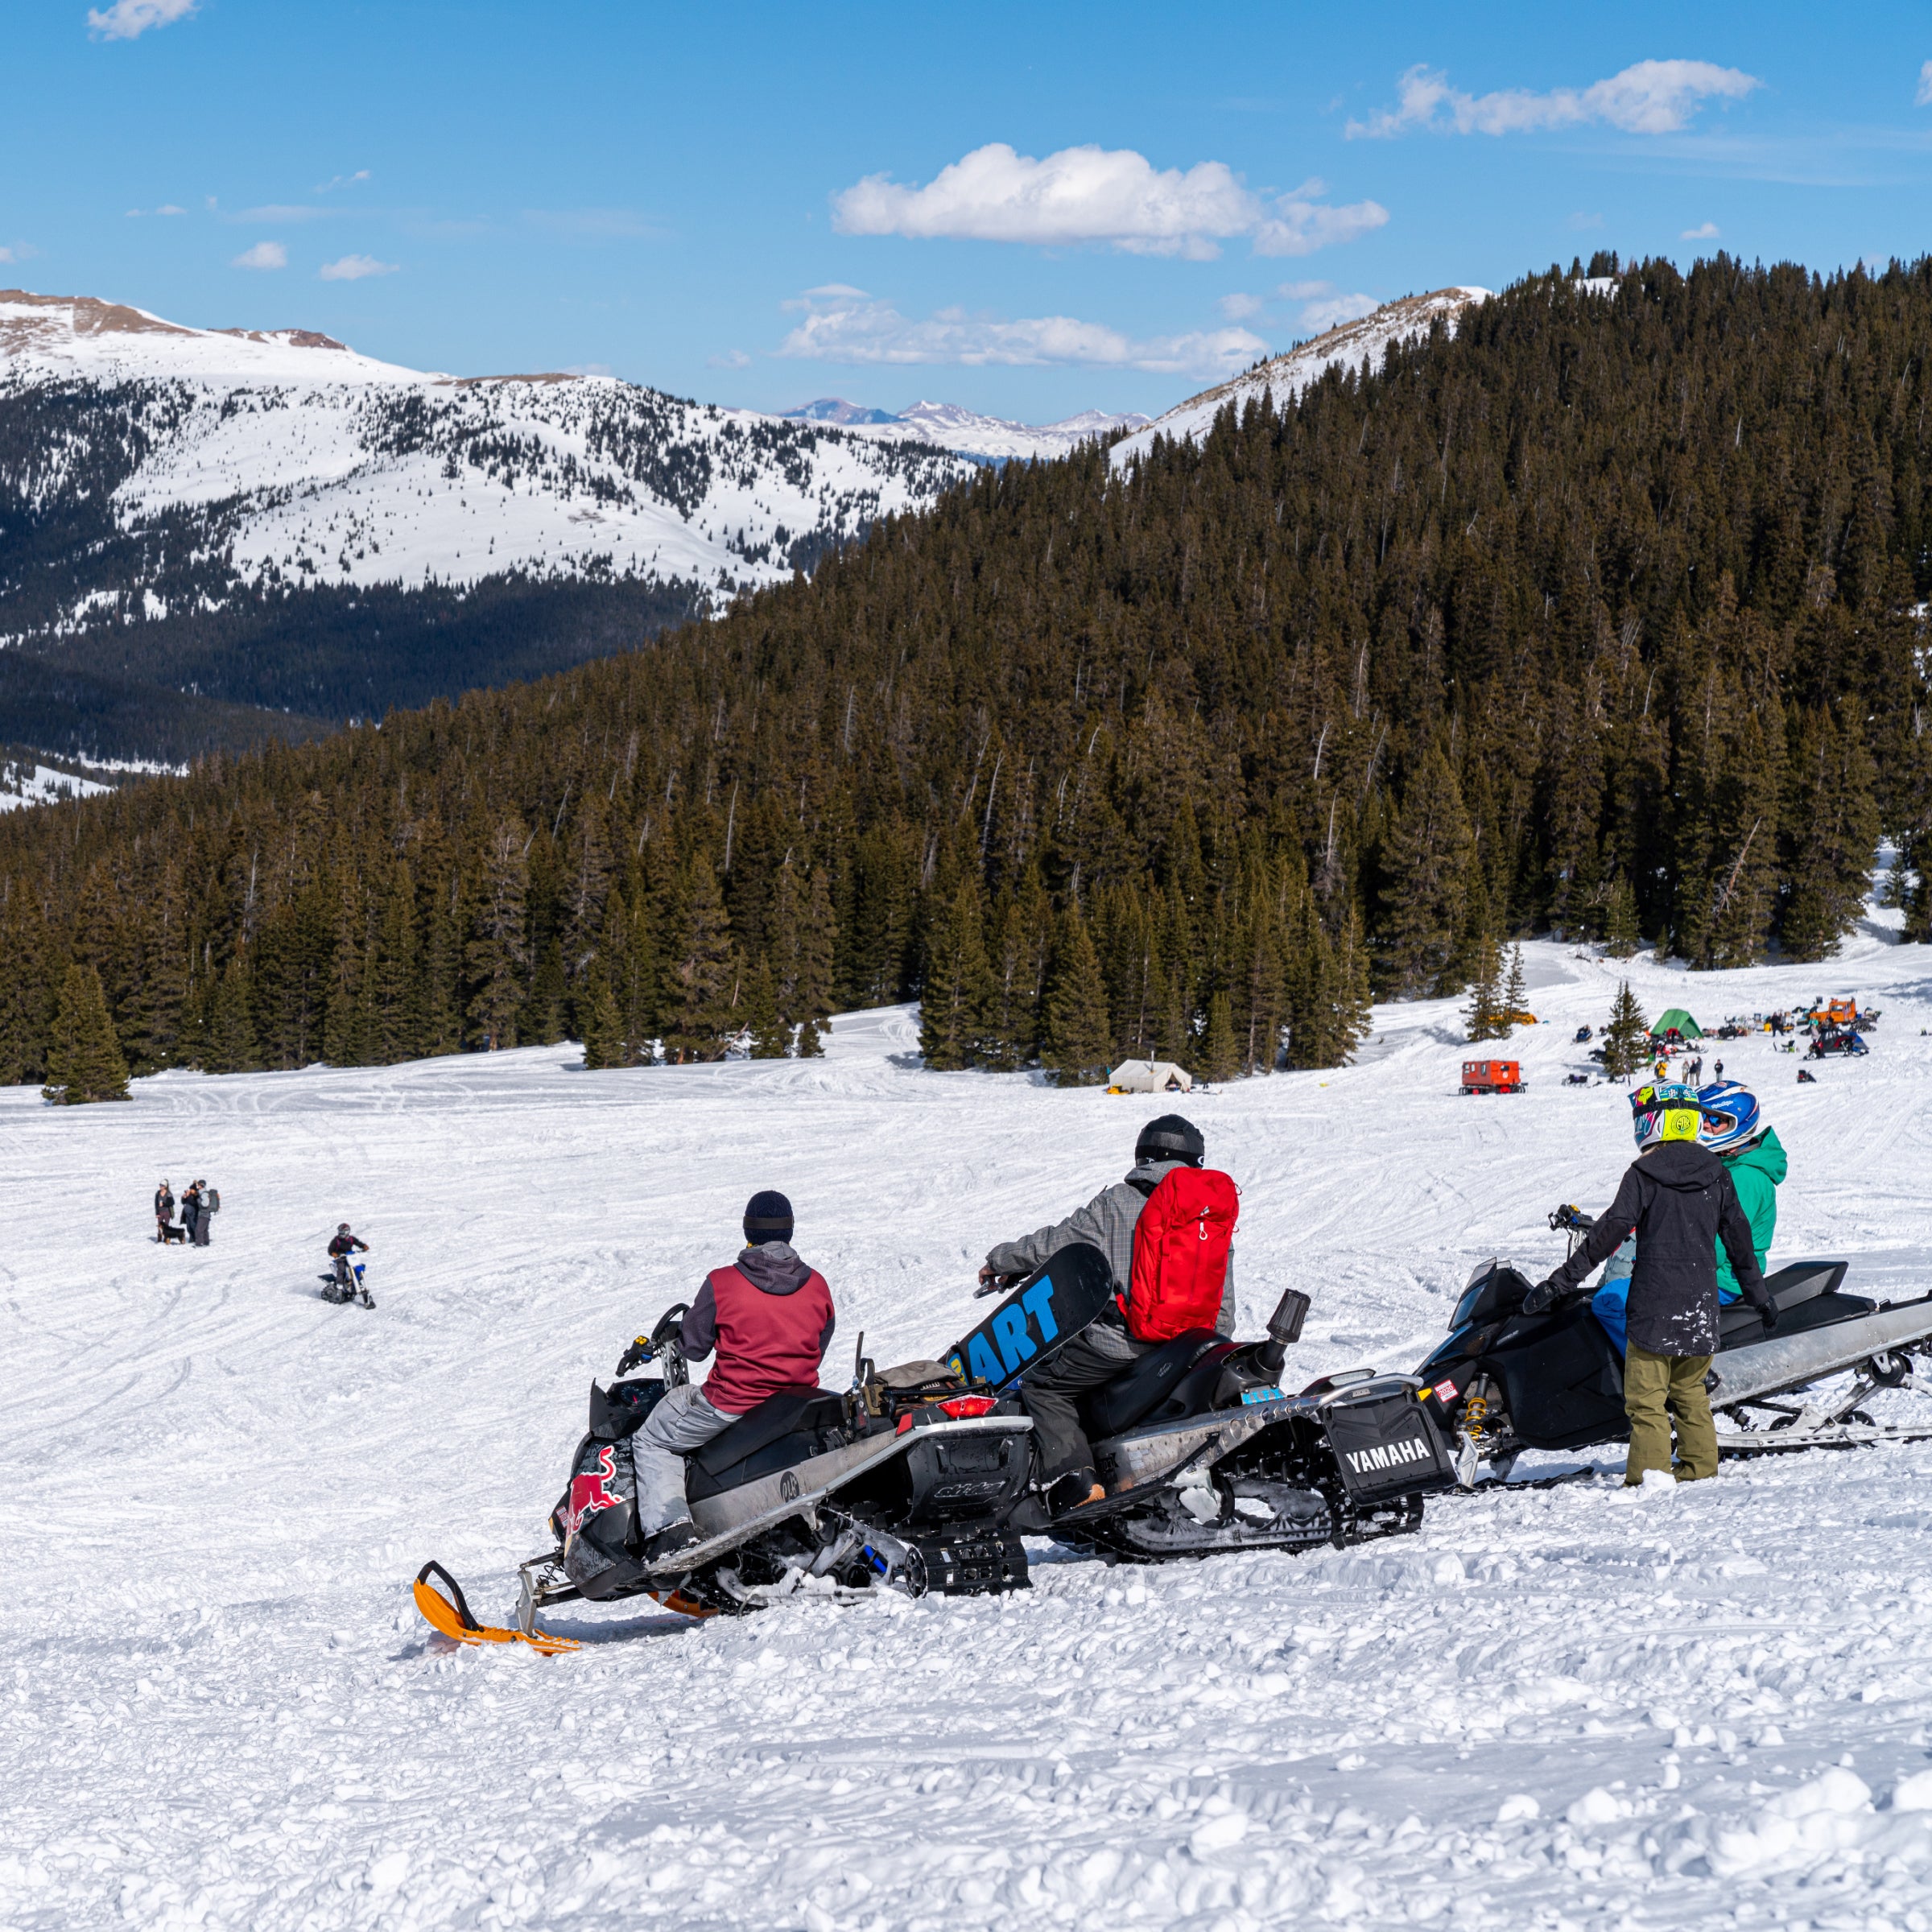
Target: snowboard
{"type": "Point", "coordinates": [1036, 1320]}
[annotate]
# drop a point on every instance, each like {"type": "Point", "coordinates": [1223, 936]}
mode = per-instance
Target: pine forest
{"type": "Point", "coordinates": [1604, 617]}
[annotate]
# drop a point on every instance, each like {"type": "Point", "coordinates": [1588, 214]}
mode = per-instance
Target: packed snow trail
{"type": "Point", "coordinates": [1578, 1706]}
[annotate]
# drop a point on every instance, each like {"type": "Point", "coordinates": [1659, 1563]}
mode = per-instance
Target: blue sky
{"type": "Point", "coordinates": [1029, 209]}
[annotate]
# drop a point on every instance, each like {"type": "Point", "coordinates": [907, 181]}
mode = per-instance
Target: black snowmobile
{"type": "Point", "coordinates": [1198, 1447]}
{"type": "Point", "coordinates": [901, 1482]}
{"type": "Point", "coordinates": [1502, 1382]}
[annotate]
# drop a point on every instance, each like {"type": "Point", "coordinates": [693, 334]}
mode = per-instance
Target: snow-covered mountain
{"type": "Point", "coordinates": [1283, 378]}
{"type": "Point", "coordinates": [965, 432]}
{"type": "Point", "coordinates": [285, 458]}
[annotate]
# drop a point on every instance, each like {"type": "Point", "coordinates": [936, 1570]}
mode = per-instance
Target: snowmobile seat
{"type": "Point", "coordinates": [1739, 1326]}
{"type": "Point", "coordinates": [1131, 1397]}
{"type": "Point", "coordinates": [783, 1430]}
{"type": "Point", "coordinates": [1801, 1281]}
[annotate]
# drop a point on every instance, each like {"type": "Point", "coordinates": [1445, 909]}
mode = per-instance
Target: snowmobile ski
{"type": "Point", "coordinates": [450, 1616]}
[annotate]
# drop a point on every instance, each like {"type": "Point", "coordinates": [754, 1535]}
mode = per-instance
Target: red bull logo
{"type": "Point", "coordinates": [591, 1491]}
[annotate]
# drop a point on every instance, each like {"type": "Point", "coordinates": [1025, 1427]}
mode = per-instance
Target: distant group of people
{"type": "Point", "coordinates": [199, 1204]}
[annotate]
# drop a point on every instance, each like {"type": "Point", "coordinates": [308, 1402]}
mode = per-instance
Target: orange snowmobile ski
{"type": "Point", "coordinates": [452, 1619]}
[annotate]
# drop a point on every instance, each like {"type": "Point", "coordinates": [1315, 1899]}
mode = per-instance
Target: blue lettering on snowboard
{"type": "Point", "coordinates": [1038, 1302]}
{"type": "Point", "coordinates": [1009, 1330]}
{"type": "Point", "coordinates": [985, 1366]}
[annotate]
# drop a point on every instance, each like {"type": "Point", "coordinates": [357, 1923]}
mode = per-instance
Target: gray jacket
{"type": "Point", "coordinates": [1106, 1223]}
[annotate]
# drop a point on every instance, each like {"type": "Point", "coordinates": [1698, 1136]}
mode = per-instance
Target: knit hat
{"type": "Point", "coordinates": [767, 1218]}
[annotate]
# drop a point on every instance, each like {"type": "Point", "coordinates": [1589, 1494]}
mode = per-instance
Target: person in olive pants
{"type": "Point", "coordinates": [1680, 1201]}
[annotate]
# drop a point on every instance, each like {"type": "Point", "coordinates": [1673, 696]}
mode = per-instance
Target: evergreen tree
{"type": "Point", "coordinates": [494, 955]}
{"type": "Point", "coordinates": [1627, 1037]}
{"type": "Point", "coordinates": [1621, 937]}
{"type": "Point", "coordinates": [604, 1044]}
{"type": "Point", "coordinates": [21, 990]}
{"type": "Point", "coordinates": [811, 987]}
{"type": "Point", "coordinates": [1426, 879]}
{"type": "Point", "coordinates": [1076, 1045]}
{"type": "Point", "coordinates": [396, 984]}
{"type": "Point", "coordinates": [1516, 993]}
{"type": "Point", "coordinates": [1832, 841]}
{"type": "Point", "coordinates": [83, 1062]}
{"type": "Point", "coordinates": [958, 984]}
{"type": "Point", "coordinates": [769, 1035]}
{"type": "Point", "coordinates": [1220, 1054]}
{"type": "Point", "coordinates": [1482, 1018]}
{"type": "Point", "coordinates": [231, 1032]}
{"type": "Point", "coordinates": [703, 979]}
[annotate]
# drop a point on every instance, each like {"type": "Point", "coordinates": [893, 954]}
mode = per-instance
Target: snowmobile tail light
{"type": "Point", "coordinates": [961, 1406]}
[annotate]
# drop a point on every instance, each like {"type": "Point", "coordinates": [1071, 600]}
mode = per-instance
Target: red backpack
{"type": "Point", "coordinates": [1180, 1254]}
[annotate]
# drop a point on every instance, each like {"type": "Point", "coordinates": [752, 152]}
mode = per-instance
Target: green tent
{"type": "Point", "coordinates": [1676, 1020]}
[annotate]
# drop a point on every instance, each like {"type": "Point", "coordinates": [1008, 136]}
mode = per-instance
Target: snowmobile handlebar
{"type": "Point", "coordinates": [661, 1343]}
{"type": "Point", "coordinates": [1284, 1330]}
{"type": "Point", "coordinates": [1573, 1219]}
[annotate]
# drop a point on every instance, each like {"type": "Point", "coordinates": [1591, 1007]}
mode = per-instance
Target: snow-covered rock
{"type": "Point", "coordinates": [1282, 378]}
{"type": "Point", "coordinates": [283, 456]}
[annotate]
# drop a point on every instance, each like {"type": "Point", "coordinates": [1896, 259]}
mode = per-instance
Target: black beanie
{"type": "Point", "coordinates": [767, 1217]}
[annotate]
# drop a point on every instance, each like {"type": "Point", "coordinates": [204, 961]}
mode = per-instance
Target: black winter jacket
{"type": "Point", "coordinates": [1681, 1201]}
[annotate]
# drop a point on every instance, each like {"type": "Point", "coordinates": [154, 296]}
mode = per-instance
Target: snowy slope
{"type": "Point", "coordinates": [284, 457]}
{"type": "Point", "coordinates": [1574, 1707]}
{"type": "Point", "coordinates": [22, 783]}
{"type": "Point", "coordinates": [1284, 377]}
{"type": "Point", "coordinates": [948, 426]}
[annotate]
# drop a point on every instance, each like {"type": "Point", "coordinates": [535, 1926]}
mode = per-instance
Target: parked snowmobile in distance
{"type": "Point", "coordinates": [903, 1481]}
{"type": "Point", "coordinates": [344, 1282]}
{"type": "Point", "coordinates": [1829, 1040]}
{"type": "Point", "coordinates": [1502, 1381]}
{"type": "Point", "coordinates": [1199, 1448]}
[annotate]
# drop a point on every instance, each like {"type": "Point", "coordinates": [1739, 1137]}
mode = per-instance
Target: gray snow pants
{"type": "Point", "coordinates": [1100, 1352]}
{"type": "Point", "coordinates": [682, 1422]}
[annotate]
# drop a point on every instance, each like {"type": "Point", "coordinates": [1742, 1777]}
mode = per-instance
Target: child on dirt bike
{"type": "Point", "coordinates": [341, 1251]}
{"type": "Point", "coordinates": [769, 1317]}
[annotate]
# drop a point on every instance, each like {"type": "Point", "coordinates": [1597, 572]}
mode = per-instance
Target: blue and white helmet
{"type": "Point", "coordinates": [1731, 1117]}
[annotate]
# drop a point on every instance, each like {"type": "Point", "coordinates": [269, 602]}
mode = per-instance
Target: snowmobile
{"type": "Point", "coordinates": [1502, 1382]}
{"type": "Point", "coordinates": [1845, 1040]}
{"type": "Point", "coordinates": [1199, 1447]}
{"type": "Point", "coordinates": [344, 1282]}
{"type": "Point", "coordinates": [901, 1482]}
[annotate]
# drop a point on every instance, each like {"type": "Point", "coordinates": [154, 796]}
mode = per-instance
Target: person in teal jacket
{"type": "Point", "coordinates": [1736, 1131]}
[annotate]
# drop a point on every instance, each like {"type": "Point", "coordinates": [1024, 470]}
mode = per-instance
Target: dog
{"type": "Point", "coordinates": [173, 1231]}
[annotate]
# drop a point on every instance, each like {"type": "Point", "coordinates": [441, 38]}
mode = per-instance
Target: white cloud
{"type": "Point", "coordinates": [354, 268]}
{"type": "Point", "coordinates": [129, 19]}
{"type": "Point", "coordinates": [322, 187]}
{"type": "Point", "coordinates": [1330, 311]}
{"type": "Point", "coordinates": [7, 254]}
{"type": "Point", "coordinates": [1923, 97]}
{"type": "Point", "coordinates": [731, 358]}
{"type": "Point", "coordinates": [1238, 308]}
{"type": "Point", "coordinates": [1651, 97]}
{"type": "Point", "coordinates": [167, 208]}
{"type": "Point", "coordinates": [264, 254]}
{"type": "Point", "coordinates": [1095, 194]}
{"type": "Point", "coordinates": [854, 327]}
{"type": "Point", "coordinates": [1705, 231]}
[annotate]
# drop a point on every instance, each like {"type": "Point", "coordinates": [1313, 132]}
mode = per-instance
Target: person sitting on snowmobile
{"type": "Point", "coordinates": [769, 1317]}
{"type": "Point", "coordinates": [1736, 1131]}
{"type": "Point", "coordinates": [1104, 1348]}
{"type": "Point", "coordinates": [1679, 1201]}
{"type": "Point", "coordinates": [342, 1247]}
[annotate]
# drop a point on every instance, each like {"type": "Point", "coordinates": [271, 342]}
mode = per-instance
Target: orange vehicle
{"type": "Point", "coordinates": [1492, 1076]}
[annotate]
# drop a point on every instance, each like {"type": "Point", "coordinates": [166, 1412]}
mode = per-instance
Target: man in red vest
{"type": "Point", "coordinates": [770, 1318]}
{"type": "Point", "coordinates": [1107, 1347]}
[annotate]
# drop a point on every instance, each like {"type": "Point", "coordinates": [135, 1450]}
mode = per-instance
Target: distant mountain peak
{"type": "Point", "coordinates": [966, 433]}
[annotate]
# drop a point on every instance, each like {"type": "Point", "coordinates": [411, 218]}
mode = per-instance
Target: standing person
{"type": "Point", "coordinates": [769, 1316]}
{"type": "Point", "coordinates": [191, 1211]}
{"type": "Point", "coordinates": [1679, 1202]}
{"type": "Point", "coordinates": [1717, 1072]}
{"type": "Point", "coordinates": [164, 1211]}
{"type": "Point", "coordinates": [1110, 1343]}
{"type": "Point", "coordinates": [208, 1202]}
{"type": "Point", "coordinates": [1736, 1131]}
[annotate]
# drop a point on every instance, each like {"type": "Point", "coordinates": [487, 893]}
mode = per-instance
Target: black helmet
{"type": "Point", "coordinates": [1169, 1137]}
{"type": "Point", "coordinates": [342, 1228]}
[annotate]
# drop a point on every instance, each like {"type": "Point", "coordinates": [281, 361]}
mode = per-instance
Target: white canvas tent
{"type": "Point", "coordinates": [1149, 1076]}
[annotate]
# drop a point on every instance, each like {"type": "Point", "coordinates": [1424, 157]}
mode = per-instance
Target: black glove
{"type": "Point", "coordinates": [635, 1356]}
{"type": "Point", "coordinates": [1767, 1314]}
{"type": "Point", "coordinates": [1542, 1296]}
